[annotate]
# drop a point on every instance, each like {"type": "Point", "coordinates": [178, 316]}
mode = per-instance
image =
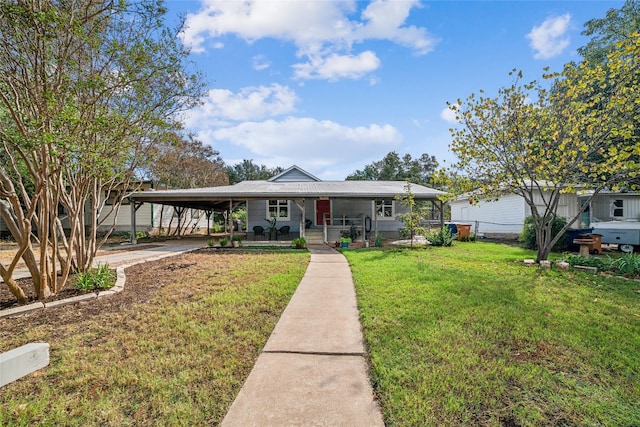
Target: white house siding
{"type": "Point", "coordinates": [602, 207]}
{"type": "Point", "coordinates": [567, 205]}
{"type": "Point", "coordinates": [123, 220]}
{"type": "Point", "coordinates": [192, 218]}
{"type": "Point", "coordinates": [504, 217]}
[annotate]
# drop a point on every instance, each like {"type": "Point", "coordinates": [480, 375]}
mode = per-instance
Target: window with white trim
{"type": "Point", "coordinates": [279, 209]}
{"type": "Point", "coordinates": [384, 209]}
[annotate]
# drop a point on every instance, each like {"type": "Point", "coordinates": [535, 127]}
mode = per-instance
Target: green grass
{"type": "Point", "coordinates": [176, 360]}
{"type": "Point", "coordinates": [467, 335]}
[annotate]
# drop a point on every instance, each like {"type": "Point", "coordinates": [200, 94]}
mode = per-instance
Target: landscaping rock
{"type": "Point", "coordinates": [586, 269]}
{"type": "Point", "coordinates": [545, 264]}
{"type": "Point", "coordinates": [562, 265]}
{"type": "Point", "coordinates": [529, 262]}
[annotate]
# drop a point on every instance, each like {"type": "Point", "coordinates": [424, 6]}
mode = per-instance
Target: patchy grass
{"type": "Point", "coordinates": [173, 349]}
{"type": "Point", "coordinates": [469, 336]}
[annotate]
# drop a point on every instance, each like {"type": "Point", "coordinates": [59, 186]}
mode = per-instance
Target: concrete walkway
{"type": "Point", "coordinates": [312, 371]}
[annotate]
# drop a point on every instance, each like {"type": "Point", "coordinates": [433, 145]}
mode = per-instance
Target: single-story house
{"type": "Point", "coordinates": [505, 216]}
{"type": "Point", "coordinates": [301, 205]}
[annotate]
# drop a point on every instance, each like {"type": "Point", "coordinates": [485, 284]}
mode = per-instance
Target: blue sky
{"type": "Point", "coordinates": [334, 85]}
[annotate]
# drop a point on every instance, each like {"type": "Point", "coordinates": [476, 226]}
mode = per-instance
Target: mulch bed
{"type": "Point", "coordinates": [8, 300]}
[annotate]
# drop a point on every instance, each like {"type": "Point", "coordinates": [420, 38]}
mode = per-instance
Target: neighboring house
{"type": "Point", "coordinates": [303, 204]}
{"type": "Point", "coordinates": [505, 217]}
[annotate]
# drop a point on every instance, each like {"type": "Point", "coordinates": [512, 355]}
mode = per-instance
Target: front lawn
{"type": "Point", "coordinates": [172, 349]}
{"type": "Point", "coordinates": [468, 335]}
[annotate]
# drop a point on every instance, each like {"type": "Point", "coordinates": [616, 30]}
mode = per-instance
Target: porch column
{"type": "Point", "coordinates": [303, 215]}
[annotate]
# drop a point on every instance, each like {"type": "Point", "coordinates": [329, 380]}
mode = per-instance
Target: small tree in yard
{"type": "Point", "coordinates": [412, 218]}
{"type": "Point", "coordinates": [86, 88]}
{"type": "Point", "coordinates": [542, 143]}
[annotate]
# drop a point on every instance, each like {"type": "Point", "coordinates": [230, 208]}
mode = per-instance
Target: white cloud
{"type": "Point", "coordinates": [385, 19]}
{"type": "Point", "coordinates": [251, 103]}
{"type": "Point", "coordinates": [260, 62]}
{"type": "Point", "coordinates": [323, 31]}
{"type": "Point", "coordinates": [549, 39]}
{"type": "Point", "coordinates": [336, 67]}
{"type": "Point", "coordinates": [448, 115]}
{"type": "Point", "coordinates": [307, 141]}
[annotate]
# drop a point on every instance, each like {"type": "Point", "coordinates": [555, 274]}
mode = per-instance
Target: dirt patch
{"type": "Point", "coordinates": [143, 283]}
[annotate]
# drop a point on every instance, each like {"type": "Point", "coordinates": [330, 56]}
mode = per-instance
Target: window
{"type": "Point", "coordinates": [278, 209]}
{"type": "Point", "coordinates": [618, 208]}
{"type": "Point", "coordinates": [195, 213]}
{"type": "Point", "coordinates": [384, 209]}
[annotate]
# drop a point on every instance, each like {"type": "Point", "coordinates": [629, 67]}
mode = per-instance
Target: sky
{"type": "Point", "coordinates": [331, 86]}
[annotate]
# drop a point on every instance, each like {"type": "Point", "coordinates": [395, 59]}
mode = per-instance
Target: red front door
{"type": "Point", "coordinates": [323, 209]}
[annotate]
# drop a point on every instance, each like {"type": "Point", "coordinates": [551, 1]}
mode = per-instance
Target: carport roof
{"type": "Point", "coordinates": [219, 197]}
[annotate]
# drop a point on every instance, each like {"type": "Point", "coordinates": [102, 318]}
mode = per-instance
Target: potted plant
{"type": "Point", "coordinates": [344, 241]}
{"type": "Point", "coordinates": [236, 240]}
{"type": "Point", "coordinates": [271, 228]}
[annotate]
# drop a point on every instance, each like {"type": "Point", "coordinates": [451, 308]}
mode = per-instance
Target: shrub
{"type": "Point", "coordinates": [528, 235]}
{"type": "Point", "coordinates": [629, 264]}
{"type": "Point", "coordinates": [599, 263]}
{"type": "Point", "coordinates": [299, 243]}
{"type": "Point", "coordinates": [100, 277]}
{"type": "Point", "coordinates": [223, 242]}
{"type": "Point", "coordinates": [211, 243]}
{"type": "Point", "coordinates": [139, 235]}
{"type": "Point", "coordinates": [352, 233]}
{"type": "Point", "coordinates": [441, 237]}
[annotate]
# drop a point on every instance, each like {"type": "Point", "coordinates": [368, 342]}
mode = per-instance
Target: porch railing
{"type": "Point", "coordinates": [340, 224]}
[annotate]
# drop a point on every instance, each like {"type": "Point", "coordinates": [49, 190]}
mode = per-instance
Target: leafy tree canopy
{"type": "Point", "coordinates": [187, 163]}
{"type": "Point", "coordinates": [619, 25]}
{"type": "Point", "coordinates": [395, 168]}
{"type": "Point", "coordinates": [541, 143]}
{"type": "Point", "coordinates": [249, 171]}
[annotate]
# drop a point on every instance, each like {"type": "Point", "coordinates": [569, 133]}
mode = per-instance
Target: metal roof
{"type": "Point", "coordinates": [214, 197]}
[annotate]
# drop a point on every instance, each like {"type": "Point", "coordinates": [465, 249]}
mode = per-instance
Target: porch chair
{"type": "Point", "coordinates": [258, 231]}
{"type": "Point", "coordinates": [283, 231]}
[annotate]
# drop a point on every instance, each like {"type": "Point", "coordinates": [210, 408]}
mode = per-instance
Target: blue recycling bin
{"type": "Point", "coordinates": [575, 233]}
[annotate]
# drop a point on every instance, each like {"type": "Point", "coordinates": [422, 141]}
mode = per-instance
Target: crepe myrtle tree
{"type": "Point", "coordinates": [86, 88]}
{"type": "Point", "coordinates": [541, 143]}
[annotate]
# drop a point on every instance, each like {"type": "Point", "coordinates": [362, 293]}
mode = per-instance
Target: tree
{"type": "Point", "coordinates": [394, 168]}
{"type": "Point", "coordinates": [541, 143]}
{"type": "Point", "coordinates": [186, 163]}
{"type": "Point", "coordinates": [249, 171]}
{"type": "Point", "coordinates": [414, 216]}
{"type": "Point", "coordinates": [86, 88]}
{"type": "Point", "coordinates": [618, 26]}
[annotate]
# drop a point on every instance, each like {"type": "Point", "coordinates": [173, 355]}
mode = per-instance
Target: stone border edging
{"type": "Point", "coordinates": [117, 287]}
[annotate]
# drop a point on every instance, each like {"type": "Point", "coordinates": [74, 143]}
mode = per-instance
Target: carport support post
{"type": "Point", "coordinates": [230, 220]}
{"type": "Point", "coordinates": [134, 208]}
